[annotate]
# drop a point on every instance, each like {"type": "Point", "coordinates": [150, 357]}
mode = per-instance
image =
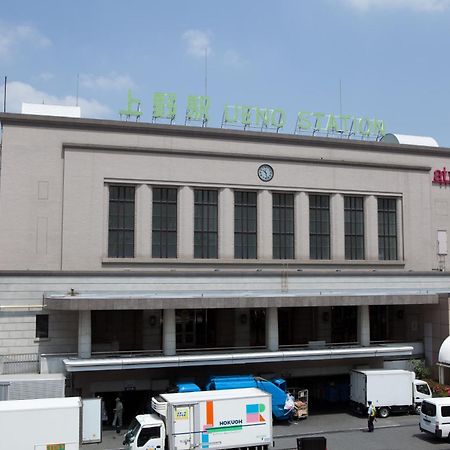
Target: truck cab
{"type": "Point", "coordinates": [421, 391]}
{"type": "Point", "coordinates": [145, 431]}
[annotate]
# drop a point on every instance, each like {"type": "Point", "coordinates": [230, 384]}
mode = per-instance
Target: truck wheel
{"type": "Point", "coordinates": [384, 412]}
{"type": "Point", "coordinates": [418, 408]}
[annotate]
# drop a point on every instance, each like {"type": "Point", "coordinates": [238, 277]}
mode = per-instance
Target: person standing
{"type": "Point", "coordinates": [371, 412]}
{"type": "Point", "coordinates": [118, 414]}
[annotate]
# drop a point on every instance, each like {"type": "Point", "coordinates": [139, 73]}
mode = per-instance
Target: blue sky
{"type": "Point", "coordinates": [390, 57]}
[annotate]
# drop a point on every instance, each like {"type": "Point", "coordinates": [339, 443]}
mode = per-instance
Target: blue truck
{"type": "Point", "coordinates": [276, 387]}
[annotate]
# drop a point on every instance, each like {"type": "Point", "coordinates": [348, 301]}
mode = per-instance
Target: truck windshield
{"type": "Point", "coordinates": [133, 430]}
{"type": "Point", "coordinates": [428, 409]}
{"type": "Point", "coordinates": [423, 389]}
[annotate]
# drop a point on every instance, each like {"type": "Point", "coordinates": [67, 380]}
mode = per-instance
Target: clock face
{"type": "Point", "coordinates": [265, 172]}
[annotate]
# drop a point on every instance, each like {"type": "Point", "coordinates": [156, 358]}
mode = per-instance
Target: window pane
{"type": "Point", "coordinates": [245, 225]}
{"type": "Point", "coordinates": [319, 226]}
{"type": "Point", "coordinates": [121, 222]}
{"type": "Point", "coordinates": [42, 326]}
{"type": "Point", "coordinates": [387, 228]}
{"type": "Point", "coordinates": [283, 226]}
{"type": "Point", "coordinates": [205, 230]}
{"type": "Point", "coordinates": [354, 227]}
{"type": "Point", "coordinates": [164, 223]}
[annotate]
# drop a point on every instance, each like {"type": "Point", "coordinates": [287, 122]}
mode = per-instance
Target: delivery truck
{"type": "Point", "coordinates": [389, 390]}
{"type": "Point", "coordinates": [49, 423]}
{"type": "Point", "coordinates": [223, 419]}
{"type": "Point", "coordinates": [40, 424]}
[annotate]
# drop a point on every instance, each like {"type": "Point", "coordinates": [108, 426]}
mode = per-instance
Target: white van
{"type": "Point", "coordinates": [435, 417]}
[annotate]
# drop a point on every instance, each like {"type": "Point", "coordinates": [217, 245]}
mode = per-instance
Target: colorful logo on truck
{"type": "Point", "coordinates": [181, 413]}
{"type": "Point", "coordinates": [253, 417]}
{"type": "Point", "coordinates": [254, 413]}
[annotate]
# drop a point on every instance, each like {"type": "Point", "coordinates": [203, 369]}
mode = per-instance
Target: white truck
{"type": "Point", "coordinates": [223, 419]}
{"type": "Point", "coordinates": [389, 390]}
{"type": "Point", "coordinates": [49, 423]}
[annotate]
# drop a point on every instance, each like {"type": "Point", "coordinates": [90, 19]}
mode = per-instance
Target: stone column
{"type": "Point", "coordinates": [143, 221]}
{"type": "Point", "coordinates": [363, 325]}
{"type": "Point", "coordinates": [84, 334]}
{"type": "Point", "coordinates": [186, 223]}
{"type": "Point", "coordinates": [301, 224]}
{"type": "Point", "coordinates": [441, 374]}
{"type": "Point", "coordinates": [371, 227]}
{"type": "Point", "coordinates": [337, 227]}
{"type": "Point", "coordinates": [169, 333]}
{"type": "Point", "coordinates": [272, 329]}
{"type": "Point", "coordinates": [264, 223]}
{"type": "Point", "coordinates": [226, 224]}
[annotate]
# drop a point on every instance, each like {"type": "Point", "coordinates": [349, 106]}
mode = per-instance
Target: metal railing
{"type": "Point", "coordinates": [19, 363]}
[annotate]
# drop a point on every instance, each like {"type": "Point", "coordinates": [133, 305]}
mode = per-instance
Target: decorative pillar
{"type": "Point", "coordinates": [143, 221]}
{"type": "Point", "coordinates": [84, 334]}
{"type": "Point", "coordinates": [363, 325]}
{"type": "Point", "coordinates": [301, 224]}
{"type": "Point", "coordinates": [272, 329]}
{"type": "Point", "coordinates": [169, 333]}
{"type": "Point", "coordinates": [371, 227]}
{"type": "Point", "coordinates": [441, 374]}
{"type": "Point", "coordinates": [186, 223]}
{"type": "Point", "coordinates": [337, 227]}
{"type": "Point", "coordinates": [226, 224]}
{"type": "Point", "coordinates": [264, 224]}
{"type": "Point", "coordinates": [399, 211]}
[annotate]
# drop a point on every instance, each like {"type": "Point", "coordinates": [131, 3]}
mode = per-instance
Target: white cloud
{"type": "Point", "coordinates": [18, 93]}
{"type": "Point", "coordinates": [197, 41]}
{"type": "Point", "coordinates": [415, 5]}
{"type": "Point", "coordinates": [233, 58]}
{"type": "Point", "coordinates": [13, 36]}
{"type": "Point", "coordinates": [45, 76]}
{"type": "Point", "coordinates": [113, 81]}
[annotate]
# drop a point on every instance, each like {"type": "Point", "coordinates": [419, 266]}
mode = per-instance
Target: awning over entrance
{"type": "Point", "coordinates": [235, 299]}
{"type": "Point", "coordinates": [444, 353]}
{"type": "Point", "coordinates": [258, 288]}
{"type": "Point", "coordinates": [150, 362]}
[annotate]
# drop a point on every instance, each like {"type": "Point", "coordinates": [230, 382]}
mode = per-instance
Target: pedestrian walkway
{"type": "Point", "coordinates": [314, 425]}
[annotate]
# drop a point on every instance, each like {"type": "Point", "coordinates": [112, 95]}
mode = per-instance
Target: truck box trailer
{"type": "Point", "coordinates": [231, 418]}
{"type": "Point", "coordinates": [50, 423]}
{"type": "Point", "coordinates": [40, 424]}
{"type": "Point", "coordinates": [389, 390]}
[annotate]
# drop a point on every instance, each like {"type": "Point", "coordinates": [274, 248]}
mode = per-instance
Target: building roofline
{"type": "Point", "coordinates": [185, 131]}
{"type": "Point", "coordinates": [250, 272]}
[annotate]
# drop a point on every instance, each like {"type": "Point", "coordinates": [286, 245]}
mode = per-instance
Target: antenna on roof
{"type": "Point", "coordinates": [206, 71]}
{"type": "Point", "coordinates": [4, 95]}
{"type": "Point", "coordinates": [340, 101]}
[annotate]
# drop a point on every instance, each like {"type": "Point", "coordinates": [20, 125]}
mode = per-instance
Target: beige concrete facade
{"type": "Point", "coordinates": [54, 209]}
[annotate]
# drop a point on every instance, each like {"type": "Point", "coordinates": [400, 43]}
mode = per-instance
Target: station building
{"type": "Point", "coordinates": [133, 255]}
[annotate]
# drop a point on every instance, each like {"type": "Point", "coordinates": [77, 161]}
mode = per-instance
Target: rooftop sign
{"type": "Point", "coordinates": [253, 117]}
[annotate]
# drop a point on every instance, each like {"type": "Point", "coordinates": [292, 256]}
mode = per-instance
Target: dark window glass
{"type": "Point", "coordinates": [283, 226]}
{"type": "Point", "coordinates": [354, 227]}
{"type": "Point", "coordinates": [423, 389]}
{"type": "Point", "coordinates": [205, 223]}
{"type": "Point", "coordinates": [164, 223]}
{"type": "Point", "coordinates": [245, 225]}
{"type": "Point", "coordinates": [387, 228]}
{"type": "Point", "coordinates": [319, 226]}
{"type": "Point", "coordinates": [121, 222]}
{"type": "Point", "coordinates": [42, 326]}
{"type": "Point", "coordinates": [445, 411]}
{"type": "Point", "coordinates": [428, 408]}
{"type": "Point", "coordinates": [148, 433]}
